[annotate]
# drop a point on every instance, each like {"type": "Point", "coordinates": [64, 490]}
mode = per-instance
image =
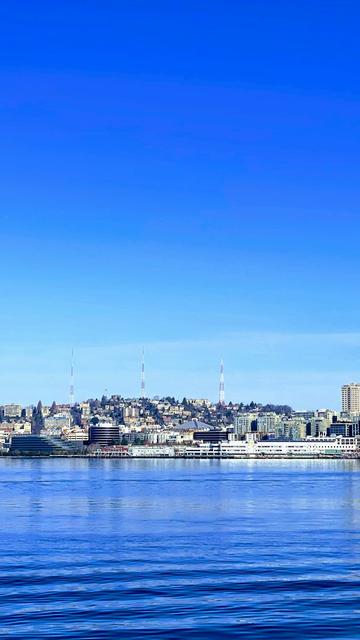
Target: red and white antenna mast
{"type": "Point", "coordinates": [222, 384]}
{"type": "Point", "coordinates": [72, 392]}
{"type": "Point", "coordinates": [142, 391]}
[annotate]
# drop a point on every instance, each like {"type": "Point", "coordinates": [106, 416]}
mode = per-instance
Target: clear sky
{"type": "Point", "coordinates": [183, 176]}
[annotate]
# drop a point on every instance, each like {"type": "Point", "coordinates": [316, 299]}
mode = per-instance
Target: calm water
{"type": "Point", "coordinates": [179, 549]}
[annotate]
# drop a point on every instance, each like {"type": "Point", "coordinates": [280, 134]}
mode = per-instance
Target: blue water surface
{"type": "Point", "coordinates": [180, 549]}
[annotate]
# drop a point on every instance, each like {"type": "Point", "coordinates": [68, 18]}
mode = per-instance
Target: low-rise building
{"type": "Point", "coordinates": [40, 445]}
{"type": "Point", "coordinates": [58, 421]}
{"type": "Point", "coordinates": [12, 410]}
{"type": "Point", "coordinates": [310, 447]}
{"type": "Point", "coordinates": [76, 435]}
{"type": "Point", "coordinates": [151, 451]}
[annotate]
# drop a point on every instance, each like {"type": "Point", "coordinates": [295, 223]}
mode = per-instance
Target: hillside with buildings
{"type": "Point", "coordinates": [166, 426]}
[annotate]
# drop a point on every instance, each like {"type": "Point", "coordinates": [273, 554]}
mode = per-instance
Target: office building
{"type": "Point", "coordinates": [40, 445]}
{"type": "Point", "coordinates": [104, 434]}
{"type": "Point", "coordinates": [213, 435]}
{"type": "Point", "coordinates": [345, 428]}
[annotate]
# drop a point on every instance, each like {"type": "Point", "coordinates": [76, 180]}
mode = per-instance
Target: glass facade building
{"type": "Point", "coordinates": [41, 445]}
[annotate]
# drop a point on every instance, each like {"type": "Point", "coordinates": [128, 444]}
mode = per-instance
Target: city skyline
{"type": "Point", "coordinates": [179, 320]}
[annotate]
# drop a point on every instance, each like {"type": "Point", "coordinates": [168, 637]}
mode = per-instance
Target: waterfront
{"type": "Point", "coordinates": [180, 548]}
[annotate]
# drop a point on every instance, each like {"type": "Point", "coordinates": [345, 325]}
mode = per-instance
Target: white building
{"type": "Point", "coordinates": [85, 410]}
{"type": "Point", "coordinates": [131, 412]}
{"type": "Point", "coordinates": [151, 451]}
{"type": "Point", "coordinates": [22, 426]}
{"type": "Point", "coordinates": [29, 411]}
{"type": "Point", "coordinates": [200, 402]}
{"type": "Point", "coordinates": [252, 448]}
{"type": "Point", "coordinates": [12, 410]}
{"type": "Point", "coordinates": [76, 434]}
{"type": "Point", "coordinates": [58, 421]}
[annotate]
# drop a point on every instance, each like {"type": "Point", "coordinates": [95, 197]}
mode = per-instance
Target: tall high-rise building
{"type": "Point", "coordinates": [350, 398]}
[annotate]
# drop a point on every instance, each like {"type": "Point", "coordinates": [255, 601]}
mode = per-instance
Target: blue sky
{"type": "Point", "coordinates": [183, 176]}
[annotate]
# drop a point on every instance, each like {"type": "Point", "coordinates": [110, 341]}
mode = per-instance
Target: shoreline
{"type": "Point", "coordinates": [237, 457]}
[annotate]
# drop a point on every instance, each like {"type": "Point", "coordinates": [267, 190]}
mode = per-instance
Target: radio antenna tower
{"type": "Point", "coordinates": [222, 385]}
{"type": "Point", "coordinates": [72, 395]}
{"type": "Point", "coordinates": [142, 393]}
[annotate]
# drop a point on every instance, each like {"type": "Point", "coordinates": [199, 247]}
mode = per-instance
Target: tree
{"type": "Point", "coordinates": [76, 415]}
{"type": "Point", "coordinates": [53, 408]}
{"type": "Point", "coordinates": [37, 420]}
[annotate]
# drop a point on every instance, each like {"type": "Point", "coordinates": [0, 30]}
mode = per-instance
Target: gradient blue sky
{"type": "Point", "coordinates": [183, 176]}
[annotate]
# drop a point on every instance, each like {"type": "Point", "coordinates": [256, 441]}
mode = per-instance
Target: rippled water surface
{"type": "Point", "coordinates": [179, 549]}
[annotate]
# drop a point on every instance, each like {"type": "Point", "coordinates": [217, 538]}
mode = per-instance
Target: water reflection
{"type": "Point", "coordinates": [181, 549]}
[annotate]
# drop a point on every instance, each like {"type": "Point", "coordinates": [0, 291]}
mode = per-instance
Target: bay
{"type": "Point", "coordinates": [179, 549]}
